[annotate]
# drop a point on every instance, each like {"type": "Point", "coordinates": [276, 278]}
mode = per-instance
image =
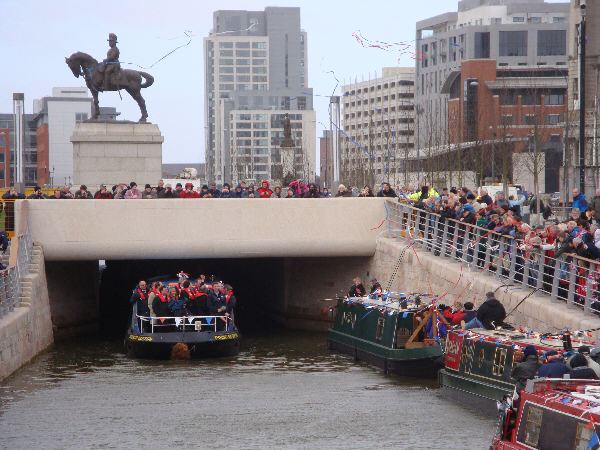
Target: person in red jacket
{"type": "Point", "coordinates": [189, 192]}
{"type": "Point", "coordinates": [264, 190]}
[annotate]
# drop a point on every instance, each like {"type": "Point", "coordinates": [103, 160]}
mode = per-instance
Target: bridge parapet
{"type": "Point", "coordinates": [205, 228]}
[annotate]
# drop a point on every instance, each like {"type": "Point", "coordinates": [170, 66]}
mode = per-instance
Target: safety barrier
{"type": "Point", "coordinates": [184, 323]}
{"type": "Point", "coordinates": [568, 278]}
{"type": "Point", "coordinates": [11, 278]}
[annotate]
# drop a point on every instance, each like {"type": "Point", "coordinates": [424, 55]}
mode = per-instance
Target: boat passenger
{"type": "Point", "coordinates": [161, 302]}
{"type": "Point", "coordinates": [489, 315]}
{"type": "Point", "coordinates": [230, 300]}
{"type": "Point", "coordinates": [527, 368]}
{"type": "Point", "coordinates": [580, 369]}
{"type": "Point", "coordinates": [140, 298]}
{"type": "Point", "coordinates": [216, 304]}
{"type": "Point", "coordinates": [357, 289]}
{"type": "Point", "coordinates": [591, 363]}
{"type": "Point", "coordinates": [375, 285]}
{"type": "Point", "coordinates": [176, 304]}
{"type": "Point", "coordinates": [151, 295]}
{"type": "Point", "coordinates": [466, 314]}
{"type": "Point", "coordinates": [554, 366]}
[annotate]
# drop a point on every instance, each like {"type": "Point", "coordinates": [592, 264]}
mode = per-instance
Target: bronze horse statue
{"type": "Point", "coordinates": [131, 80]}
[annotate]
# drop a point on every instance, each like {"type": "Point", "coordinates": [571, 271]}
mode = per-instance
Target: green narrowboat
{"type": "Point", "coordinates": [387, 332]}
{"type": "Point", "coordinates": [480, 362]}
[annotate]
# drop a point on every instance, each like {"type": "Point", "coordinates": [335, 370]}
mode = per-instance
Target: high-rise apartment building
{"type": "Point", "coordinates": [516, 33]}
{"type": "Point", "coordinates": [256, 70]}
{"type": "Point", "coordinates": [378, 123]}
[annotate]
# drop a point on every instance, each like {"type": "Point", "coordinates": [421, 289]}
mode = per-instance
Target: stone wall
{"type": "Point", "coordinates": [116, 152]}
{"type": "Point", "coordinates": [27, 330]}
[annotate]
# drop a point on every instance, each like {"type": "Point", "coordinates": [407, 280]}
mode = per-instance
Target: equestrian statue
{"type": "Point", "coordinates": [108, 76]}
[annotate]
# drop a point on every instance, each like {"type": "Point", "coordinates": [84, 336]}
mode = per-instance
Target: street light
{"type": "Point", "coordinates": [582, 5]}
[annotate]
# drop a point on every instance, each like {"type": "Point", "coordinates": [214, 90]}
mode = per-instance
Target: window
{"type": "Point", "coordinates": [379, 329]}
{"type": "Point", "coordinates": [226, 62]}
{"type": "Point", "coordinates": [531, 99]}
{"type": "Point", "coordinates": [499, 361]}
{"type": "Point", "coordinates": [258, 62]}
{"type": "Point", "coordinates": [242, 62]}
{"type": "Point", "coordinates": [260, 125]}
{"type": "Point", "coordinates": [261, 142]}
{"type": "Point", "coordinates": [259, 134]}
{"type": "Point", "coordinates": [518, 19]}
{"type": "Point", "coordinates": [225, 44]}
{"type": "Point", "coordinates": [260, 87]}
{"type": "Point", "coordinates": [226, 87]}
{"type": "Point", "coordinates": [552, 42]}
{"type": "Point", "coordinates": [558, 19]}
{"type": "Point", "coordinates": [226, 78]}
{"type": "Point", "coordinates": [242, 116]}
{"type": "Point", "coordinates": [243, 78]}
{"type": "Point", "coordinates": [259, 45]}
{"type": "Point", "coordinates": [507, 119]}
{"type": "Point", "coordinates": [259, 70]}
{"type": "Point", "coordinates": [554, 119]}
{"type": "Point", "coordinates": [242, 45]}
{"type": "Point", "coordinates": [535, 19]}
{"type": "Point", "coordinates": [80, 117]}
{"type": "Point", "coordinates": [243, 134]}
{"type": "Point", "coordinates": [555, 99]}
{"type": "Point", "coordinates": [513, 43]}
{"type": "Point", "coordinates": [533, 426]}
{"type": "Point", "coordinates": [244, 125]}
{"type": "Point", "coordinates": [260, 117]}
{"type": "Point", "coordinates": [496, 20]}
{"type": "Point", "coordinates": [482, 45]}
{"type": "Point", "coordinates": [259, 54]}
{"type": "Point", "coordinates": [226, 69]}
{"type": "Point", "coordinates": [226, 53]}
{"type": "Point", "coordinates": [259, 79]}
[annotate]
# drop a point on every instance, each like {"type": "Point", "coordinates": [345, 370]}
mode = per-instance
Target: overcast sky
{"type": "Point", "coordinates": [37, 35]}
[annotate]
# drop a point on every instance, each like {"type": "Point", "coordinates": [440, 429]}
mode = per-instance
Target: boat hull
{"type": "Point", "coordinates": [422, 362]}
{"type": "Point", "coordinates": [200, 345]}
{"type": "Point", "coordinates": [488, 390]}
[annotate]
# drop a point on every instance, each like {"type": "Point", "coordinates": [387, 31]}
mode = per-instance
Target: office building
{"type": "Point", "coordinates": [515, 33]}
{"type": "Point", "coordinates": [379, 124]}
{"type": "Point", "coordinates": [7, 140]}
{"type": "Point", "coordinates": [256, 70]}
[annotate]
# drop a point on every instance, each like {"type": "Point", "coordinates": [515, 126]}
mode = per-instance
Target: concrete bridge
{"type": "Point", "coordinates": [282, 256]}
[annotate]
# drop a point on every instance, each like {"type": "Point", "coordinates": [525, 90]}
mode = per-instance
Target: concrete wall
{"type": "Point", "coordinates": [27, 330]}
{"type": "Point", "coordinates": [210, 228]}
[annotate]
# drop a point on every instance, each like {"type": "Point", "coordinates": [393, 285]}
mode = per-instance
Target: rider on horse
{"type": "Point", "coordinates": [111, 63]}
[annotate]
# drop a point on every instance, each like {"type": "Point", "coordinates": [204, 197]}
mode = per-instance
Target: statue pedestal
{"type": "Point", "coordinates": [114, 152]}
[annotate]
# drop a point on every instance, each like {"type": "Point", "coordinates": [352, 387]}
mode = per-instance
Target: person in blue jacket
{"type": "Point", "coordinates": [579, 201]}
{"type": "Point", "coordinates": [554, 367]}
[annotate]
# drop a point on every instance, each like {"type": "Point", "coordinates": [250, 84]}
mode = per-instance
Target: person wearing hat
{"type": "Point", "coordinates": [214, 192]}
{"type": "Point", "coordinates": [554, 366]}
{"type": "Point", "coordinates": [148, 192]}
{"type": "Point", "coordinates": [83, 192]}
{"type": "Point", "coordinates": [189, 192]}
{"type": "Point", "coordinates": [226, 191]}
{"type": "Point", "coordinates": [580, 369]}
{"type": "Point", "coordinates": [527, 368]}
{"type": "Point", "coordinates": [312, 191]}
{"type": "Point", "coordinates": [133, 192]}
{"type": "Point", "coordinates": [375, 285]}
{"type": "Point", "coordinates": [168, 192]}
{"type": "Point", "coordinates": [37, 194]}
{"type": "Point", "coordinates": [102, 193]}
{"type": "Point", "coordinates": [111, 64]}
{"type": "Point", "coordinates": [590, 362]}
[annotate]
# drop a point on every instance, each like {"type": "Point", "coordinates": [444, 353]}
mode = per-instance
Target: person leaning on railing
{"type": "Point", "coordinates": [83, 193]}
{"type": "Point", "coordinates": [37, 194]}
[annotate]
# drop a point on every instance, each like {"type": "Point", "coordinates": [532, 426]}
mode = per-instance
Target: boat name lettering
{"type": "Point", "coordinates": [134, 337]}
{"type": "Point", "coordinates": [222, 337]}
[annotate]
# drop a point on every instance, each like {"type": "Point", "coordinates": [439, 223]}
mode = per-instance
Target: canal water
{"type": "Point", "coordinates": [284, 390]}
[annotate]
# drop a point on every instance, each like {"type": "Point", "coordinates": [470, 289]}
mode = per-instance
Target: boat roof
{"type": "Point", "coordinates": [393, 301]}
{"type": "Point", "coordinates": [522, 338]}
{"type": "Point", "coordinates": [577, 397]}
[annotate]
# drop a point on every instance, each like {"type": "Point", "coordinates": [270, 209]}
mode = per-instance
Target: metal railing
{"type": "Point", "coordinates": [515, 262]}
{"type": "Point", "coordinates": [185, 323]}
{"type": "Point", "coordinates": [21, 249]}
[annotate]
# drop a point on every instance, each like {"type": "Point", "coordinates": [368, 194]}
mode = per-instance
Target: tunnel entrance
{"type": "Point", "coordinates": [258, 284]}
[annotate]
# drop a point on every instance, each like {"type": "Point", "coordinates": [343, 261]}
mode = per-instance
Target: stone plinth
{"type": "Point", "coordinates": [113, 152]}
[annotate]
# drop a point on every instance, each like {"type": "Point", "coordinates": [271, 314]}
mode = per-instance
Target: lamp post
{"type": "Point", "coordinates": [582, 97]}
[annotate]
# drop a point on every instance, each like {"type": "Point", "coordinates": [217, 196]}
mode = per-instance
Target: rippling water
{"type": "Point", "coordinates": [283, 390]}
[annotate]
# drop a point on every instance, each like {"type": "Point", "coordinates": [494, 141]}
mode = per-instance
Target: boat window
{"type": "Point", "coordinates": [481, 357]}
{"type": "Point", "coordinates": [379, 329]}
{"type": "Point", "coordinates": [499, 360]}
{"type": "Point", "coordinates": [533, 426]}
{"type": "Point", "coordinates": [583, 436]}
{"type": "Point", "coordinates": [402, 336]}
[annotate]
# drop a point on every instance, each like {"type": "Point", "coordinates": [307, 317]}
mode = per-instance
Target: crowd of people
{"type": "Point", "coordinates": [185, 298]}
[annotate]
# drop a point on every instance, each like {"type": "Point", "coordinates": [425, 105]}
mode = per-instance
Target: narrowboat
{"type": "Point", "coordinates": [186, 337]}
{"type": "Point", "coordinates": [550, 413]}
{"type": "Point", "coordinates": [388, 332]}
{"type": "Point", "coordinates": [480, 362]}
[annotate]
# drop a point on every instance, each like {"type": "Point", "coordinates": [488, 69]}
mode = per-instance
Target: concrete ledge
{"type": "Point", "coordinates": [204, 228]}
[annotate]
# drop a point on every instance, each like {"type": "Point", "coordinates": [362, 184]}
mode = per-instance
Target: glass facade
{"type": "Point", "coordinates": [513, 43]}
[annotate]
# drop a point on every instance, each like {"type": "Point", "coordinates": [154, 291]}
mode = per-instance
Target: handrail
{"type": "Point", "coordinates": [151, 320]}
{"type": "Point", "coordinates": [569, 277]}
